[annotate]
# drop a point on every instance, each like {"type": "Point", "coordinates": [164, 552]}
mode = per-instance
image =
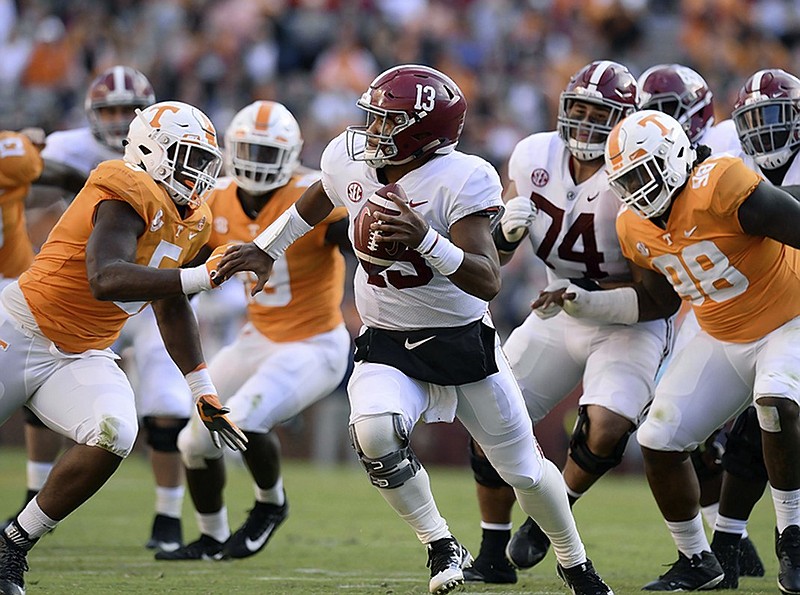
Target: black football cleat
{"type": "Point", "coordinates": [701, 572]}
{"type": "Point", "coordinates": [253, 535]}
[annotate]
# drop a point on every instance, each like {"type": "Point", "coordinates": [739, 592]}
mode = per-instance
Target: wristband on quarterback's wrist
{"type": "Point", "coordinates": [282, 233]}
{"type": "Point", "coordinates": [441, 253]}
{"type": "Point", "coordinates": [199, 381]}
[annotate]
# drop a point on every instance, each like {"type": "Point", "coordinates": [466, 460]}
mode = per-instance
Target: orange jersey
{"type": "Point", "coordinates": [20, 164]}
{"type": "Point", "coordinates": [304, 293]}
{"type": "Point", "coordinates": [56, 286]}
{"type": "Point", "coordinates": [741, 287]}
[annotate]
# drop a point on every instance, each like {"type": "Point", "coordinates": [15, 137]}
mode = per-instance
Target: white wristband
{"type": "Point", "coordinates": [441, 253]}
{"type": "Point", "coordinates": [200, 384]}
{"type": "Point", "coordinates": [195, 279]}
{"type": "Point", "coordinates": [282, 233]}
{"type": "Point", "coordinates": [617, 306]}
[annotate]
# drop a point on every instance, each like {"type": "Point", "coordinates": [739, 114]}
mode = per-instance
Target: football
{"type": "Point", "coordinates": [376, 256]}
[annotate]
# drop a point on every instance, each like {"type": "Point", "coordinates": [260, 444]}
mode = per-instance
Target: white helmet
{"type": "Point", "coordinates": [177, 145]}
{"type": "Point", "coordinates": [262, 146]}
{"type": "Point", "coordinates": [648, 158]}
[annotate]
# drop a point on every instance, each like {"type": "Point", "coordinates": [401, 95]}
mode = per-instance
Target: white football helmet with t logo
{"type": "Point", "coordinates": [262, 146]}
{"type": "Point", "coordinates": [177, 145]}
{"type": "Point", "coordinates": [648, 157]}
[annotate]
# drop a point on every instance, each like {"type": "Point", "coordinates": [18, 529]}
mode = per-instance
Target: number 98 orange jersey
{"type": "Point", "coordinates": [741, 287]}
{"type": "Point", "coordinates": [56, 286]}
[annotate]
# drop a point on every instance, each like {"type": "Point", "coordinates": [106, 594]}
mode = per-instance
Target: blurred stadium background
{"type": "Point", "coordinates": [512, 58]}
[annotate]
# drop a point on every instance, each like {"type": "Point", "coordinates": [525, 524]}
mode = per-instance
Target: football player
{"type": "Point", "coordinates": [295, 347]}
{"type": "Point", "coordinates": [117, 247]}
{"type": "Point", "coordinates": [558, 196]}
{"type": "Point", "coordinates": [730, 457]}
{"type": "Point", "coordinates": [428, 350]}
{"type": "Point", "coordinates": [719, 234]}
{"type": "Point", "coordinates": [163, 400]}
{"type": "Point", "coordinates": [20, 165]}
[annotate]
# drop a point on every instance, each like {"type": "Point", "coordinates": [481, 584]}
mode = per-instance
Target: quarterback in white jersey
{"type": "Point", "coordinates": [427, 350]}
{"type": "Point", "coordinates": [559, 197]}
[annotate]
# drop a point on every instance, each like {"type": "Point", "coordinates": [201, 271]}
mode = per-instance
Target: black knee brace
{"type": "Point", "coordinates": [388, 472]}
{"type": "Point", "coordinates": [31, 419]}
{"type": "Point", "coordinates": [482, 470]}
{"type": "Point", "coordinates": [743, 457]}
{"type": "Point", "coordinates": [707, 458]}
{"type": "Point", "coordinates": [585, 458]}
{"type": "Point", "coordinates": [163, 438]}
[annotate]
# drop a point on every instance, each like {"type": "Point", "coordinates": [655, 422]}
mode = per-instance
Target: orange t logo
{"type": "Point", "coordinates": [3, 345]}
{"type": "Point", "coordinates": [156, 121]}
{"type": "Point", "coordinates": [654, 119]}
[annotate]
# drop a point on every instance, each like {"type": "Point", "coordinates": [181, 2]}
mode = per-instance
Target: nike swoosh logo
{"type": "Point", "coordinates": [413, 345]}
{"type": "Point", "coordinates": [192, 234]}
{"type": "Point", "coordinates": [591, 198]}
{"type": "Point", "coordinates": [414, 205]}
{"type": "Point", "coordinates": [689, 232]}
{"type": "Point", "coordinates": [256, 544]}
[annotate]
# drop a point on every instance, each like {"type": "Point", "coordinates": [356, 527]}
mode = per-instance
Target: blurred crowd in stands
{"type": "Point", "coordinates": [512, 58]}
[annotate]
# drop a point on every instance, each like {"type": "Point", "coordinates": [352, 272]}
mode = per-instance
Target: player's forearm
{"type": "Point", "coordinates": [478, 275]}
{"type": "Point", "coordinates": [127, 282]}
{"type": "Point", "coordinates": [179, 331]}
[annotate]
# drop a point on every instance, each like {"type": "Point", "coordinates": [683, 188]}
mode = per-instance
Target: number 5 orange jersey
{"type": "Point", "coordinates": [56, 286]}
{"type": "Point", "coordinates": [741, 286]}
{"type": "Point", "coordinates": [20, 164]}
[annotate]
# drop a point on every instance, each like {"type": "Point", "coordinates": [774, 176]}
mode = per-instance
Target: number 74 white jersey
{"type": "Point", "coordinates": [574, 232]}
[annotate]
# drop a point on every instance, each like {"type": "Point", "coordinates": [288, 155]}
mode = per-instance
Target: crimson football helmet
{"type": "Point", "coordinates": [682, 93]}
{"type": "Point", "coordinates": [767, 117]}
{"type": "Point", "coordinates": [604, 83]}
{"type": "Point", "coordinates": [118, 87]}
{"type": "Point", "coordinates": [176, 144]}
{"type": "Point", "coordinates": [412, 111]}
{"type": "Point", "coordinates": [648, 159]}
{"type": "Point", "coordinates": [262, 146]}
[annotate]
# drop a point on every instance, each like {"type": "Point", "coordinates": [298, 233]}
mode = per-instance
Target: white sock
{"type": "Point", "coordinates": [689, 536]}
{"type": "Point", "coordinates": [214, 524]}
{"type": "Point", "coordinates": [169, 501]}
{"type": "Point", "coordinates": [37, 474]}
{"type": "Point", "coordinates": [34, 521]}
{"type": "Point", "coordinates": [273, 495]}
{"type": "Point", "coordinates": [787, 507]}
{"type": "Point", "coordinates": [547, 504]}
{"type": "Point", "coordinates": [497, 526]}
{"type": "Point", "coordinates": [728, 525]}
{"type": "Point", "coordinates": [710, 513]}
{"type": "Point", "coordinates": [413, 502]}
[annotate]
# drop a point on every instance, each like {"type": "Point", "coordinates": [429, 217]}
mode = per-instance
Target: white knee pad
{"type": "Point", "coordinates": [195, 445]}
{"type": "Point", "coordinates": [115, 434]}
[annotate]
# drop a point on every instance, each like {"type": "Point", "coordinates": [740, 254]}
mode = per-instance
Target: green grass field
{"type": "Point", "coordinates": [340, 537]}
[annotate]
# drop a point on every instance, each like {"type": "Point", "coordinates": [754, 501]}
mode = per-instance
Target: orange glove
{"type": "Point", "coordinates": [213, 415]}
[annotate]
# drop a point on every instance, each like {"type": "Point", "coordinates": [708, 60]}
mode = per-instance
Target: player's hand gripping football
{"type": "Point", "coordinates": [408, 227]}
{"type": "Point", "coordinates": [213, 415]}
{"type": "Point", "coordinates": [245, 257]}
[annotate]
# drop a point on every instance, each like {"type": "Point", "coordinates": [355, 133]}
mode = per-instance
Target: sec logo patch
{"type": "Point", "coordinates": [540, 177]}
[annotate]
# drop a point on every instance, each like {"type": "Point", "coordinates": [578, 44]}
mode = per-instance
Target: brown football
{"type": "Point", "coordinates": [377, 256]}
